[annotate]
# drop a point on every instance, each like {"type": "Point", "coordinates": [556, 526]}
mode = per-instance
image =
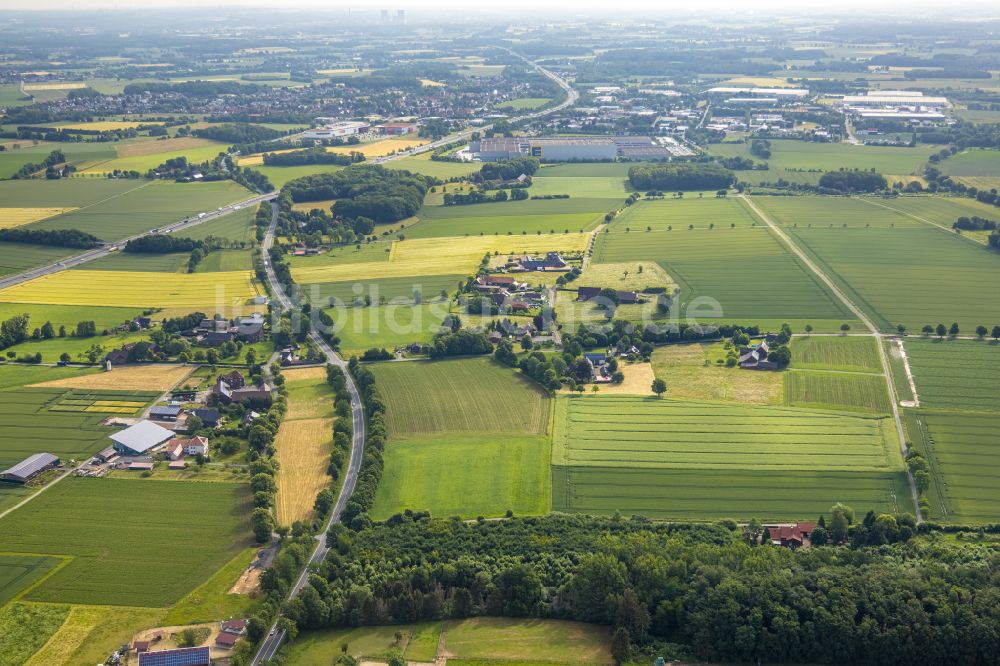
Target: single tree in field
{"type": "Point", "coordinates": [953, 330]}
{"type": "Point", "coordinates": [845, 327]}
{"type": "Point", "coordinates": [995, 333]}
{"type": "Point", "coordinates": [621, 645]}
{"type": "Point", "coordinates": [251, 356]}
{"type": "Point", "coordinates": [659, 387]}
{"type": "Point", "coordinates": [940, 330]}
{"type": "Point", "coordinates": [809, 328]}
{"type": "Point", "coordinates": [981, 331]}
{"type": "Point", "coordinates": [901, 329]}
{"type": "Point", "coordinates": [927, 329]}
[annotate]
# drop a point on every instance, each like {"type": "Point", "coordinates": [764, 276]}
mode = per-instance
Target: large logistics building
{"type": "Point", "coordinates": [335, 129]}
{"type": "Point", "coordinates": [569, 149]}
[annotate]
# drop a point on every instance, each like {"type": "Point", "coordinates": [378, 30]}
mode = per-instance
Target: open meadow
{"type": "Point", "coordinates": [955, 374]}
{"type": "Point", "coordinates": [974, 167]}
{"type": "Point", "coordinates": [479, 641]}
{"type": "Point", "coordinates": [386, 326]}
{"type": "Point", "coordinates": [423, 164]}
{"type": "Point", "coordinates": [483, 423]}
{"type": "Point", "coordinates": [303, 444]}
{"type": "Point", "coordinates": [144, 154]}
{"type": "Point", "coordinates": [174, 549]}
{"type": "Point", "coordinates": [692, 373]}
{"type": "Point", "coordinates": [911, 273]}
{"type": "Point", "coordinates": [739, 273]}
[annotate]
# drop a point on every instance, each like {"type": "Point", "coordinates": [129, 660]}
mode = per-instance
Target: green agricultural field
{"type": "Point", "coordinates": [388, 326]}
{"type": "Point", "coordinates": [423, 164]}
{"type": "Point", "coordinates": [955, 374]}
{"type": "Point", "coordinates": [345, 254]}
{"type": "Point", "coordinates": [965, 472]}
{"type": "Point", "coordinates": [24, 628]}
{"type": "Point", "coordinates": [15, 375]}
{"type": "Point", "coordinates": [393, 289]}
{"type": "Point", "coordinates": [27, 426]}
{"type": "Point", "coordinates": [614, 188]}
{"type": "Point", "coordinates": [617, 170]}
{"type": "Point", "coordinates": [11, 160]}
{"type": "Point", "coordinates": [738, 274]}
{"type": "Point", "coordinates": [151, 154]}
{"type": "Point", "coordinates": [174, 262]}
{"type": "Point", "coordinates": [469, 395]}
{"type": "Point", "coordinates": [237, 227]}
{"type": "Point", "coordinates": [175, 550]}
{"type": "Point", "coordinates": [973, 162]}
{"type": "Point", "coordinates": [18, 572]}
{"type": "Point", "coordinates": [225, 260]}
{"type": "Point", "coordinates": [496, 474]}
{"type": "Point", "coordinates": [212, 600]}
{"type": "Point", "coordinates": [693, 372]}
{"type": "Point", "coordinates": [913, 273]}
{"type": "Point", "coordinates": [837, 390]}
{"type": "Point", "coordinates": [687, 460]}
{"type": "Point", "coordinates": [940, 211]}
{"type": "Point", "coordinates": [53, 348]}
{"type": "Point", "coordinates": [475, 411]}
{"type": "Point", "coordinates": [18, 257]}
{"type": "Point", "coordinates": [846, 353]}
{"type": "Point", "coordinates": [509, 217]}
{"type": "Point", "coordinates": [65, 193]}
{"type": "Point", "coordinates": [803, 161]}
{"type": "Point", "coordinates": [154, 204]}
{"type": "Point", "coordinates": [69, 315]}
{"type": "Point", "coordinates": [279, 175]}
{"type": "Point", "coordinates": [323, 646]}
{"type": "Point", "coordinates": [525, 103]}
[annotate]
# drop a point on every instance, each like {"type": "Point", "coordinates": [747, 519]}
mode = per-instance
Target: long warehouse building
{"type": "Point", "coordinates": [568, 149]}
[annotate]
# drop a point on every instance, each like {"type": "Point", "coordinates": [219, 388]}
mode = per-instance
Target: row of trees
{"type": "Point", "coordinates": [29, 170]}
{"type": "Point", "coordinates": [680, 176]}
{"type": "Point", "coordinates": [315, 155]}
{"type": "Point", "coordinates": [850, 181]}
{"type": "Point", "coordinates": [52, 237]}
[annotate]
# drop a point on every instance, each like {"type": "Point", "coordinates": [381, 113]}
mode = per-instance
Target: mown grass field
{"type": "Point", "coordinates": [955, 374]}
{"type": "Point", "coordinates": [469, 410]}
{"type": "Point", "coordinates": [688, 377]}
{"type": "Point", "coordinates": [509, 217]}
{"type": "Point", "coordinates": [739, 274]}
{"type": "Point", "coordinates": [425, 165]}
{"type": "Point", "coordinates": [961, 448]}
{"type": "Point", "coordinates": [525, 103]}
{"type": "Point", "coordinates": [397, 289]}
{"type": "Point", "coordinates": [846, 353]}
{"type": "Point", "coordinates": [837, 390]}
{"type": "Point", "coordinates": [473, 641]}
{"type": "Point", "coordinates": [216, 292]}
{"type": "Point", "coordinates": [973, 162]}
{"type": "Point", "coordinates": [913, 273]}
{"type": "Point", "coordinates": [438, 256]}
{"type": "Point", "coordinates": [175, 550]}
{"type": "Point", "coordinates": [237, 226]}
{"type": "Point", "coordinates": [69, 315]}
{"type": "Point", "coordinates": [689, 460]}
{"type": "Point", "coordinates": [303, 445]}
{"type": "Point", "coordinates": [387, 326]}
{"type": "Point", "coordinates": [12, 159]}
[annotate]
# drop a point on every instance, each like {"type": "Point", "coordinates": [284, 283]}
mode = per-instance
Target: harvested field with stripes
{"type": "Point", "coordinates": [848, 354]}
{"type": "Point", "coordinates": [130, 378]}
{"type": "Point", "coordinates": [837, 390]}
{"type": "Point", "coordinates": [16, 217]}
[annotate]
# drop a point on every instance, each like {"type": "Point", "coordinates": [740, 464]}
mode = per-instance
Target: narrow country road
{"type": "Point", "coordinates": [276, 636]}
{"type": "Point", "coordinates": [860, 314]}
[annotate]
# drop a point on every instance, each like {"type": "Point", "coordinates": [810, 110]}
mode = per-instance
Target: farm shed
{"type": "Point", "coordinates": [209, 417]}
{"type": "Point", "coordinates": [140, 438]}
{"type": "Point", "coordinates": [29, 468]}
{"type": "Point", "coordinates": [165, 413]}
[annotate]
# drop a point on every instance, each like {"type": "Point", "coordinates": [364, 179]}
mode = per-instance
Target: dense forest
{"type": "Point", "coordinates": [853, 181]}
{"type": "Point", "coordinates": [679, 177]}
{"type": "Point", "coordinates": [697, 591]}
{"type": "Point", "coordinates": [373, 192]}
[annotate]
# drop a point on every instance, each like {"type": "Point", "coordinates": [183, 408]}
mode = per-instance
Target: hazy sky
{"type": "Point", "coordinates": [635, 7]}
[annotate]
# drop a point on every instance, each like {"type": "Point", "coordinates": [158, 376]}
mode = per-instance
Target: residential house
{"type": "Point", "coordinates": [235, 627]}
{"type": "Point", "coordinates": [598, 367]}
{"type": "Point", "coordinates": [790, 536]}
{"type": "Point", "coordinates": [551, 262]}
{"type": "Point", "coordinates": [755, 357]}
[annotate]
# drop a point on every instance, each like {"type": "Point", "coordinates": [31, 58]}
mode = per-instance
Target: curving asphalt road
{"type": "Point", "coordinates": [276, 636]}
{"type": "Point", "coordinates": [108, 248]}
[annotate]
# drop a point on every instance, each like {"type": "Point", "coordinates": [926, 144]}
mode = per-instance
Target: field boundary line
{"type": "Point", "coordinates": [924, 220]}
{"type": "Point", "coordinates": [863, 317]}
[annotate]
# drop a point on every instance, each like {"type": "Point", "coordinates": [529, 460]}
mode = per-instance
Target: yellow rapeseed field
{"type": "Point", "coordinates": [209, 292]}
{"type": "Point", "coordinates": [439, 256]}
{"type": "Point", "coordinates": [130, 378]}
{"type": "Point", "coordinates": [16, 217]}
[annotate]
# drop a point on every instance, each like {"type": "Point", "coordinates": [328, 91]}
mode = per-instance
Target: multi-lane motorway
{"type": "Point", "coordinates": [108, 248]}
